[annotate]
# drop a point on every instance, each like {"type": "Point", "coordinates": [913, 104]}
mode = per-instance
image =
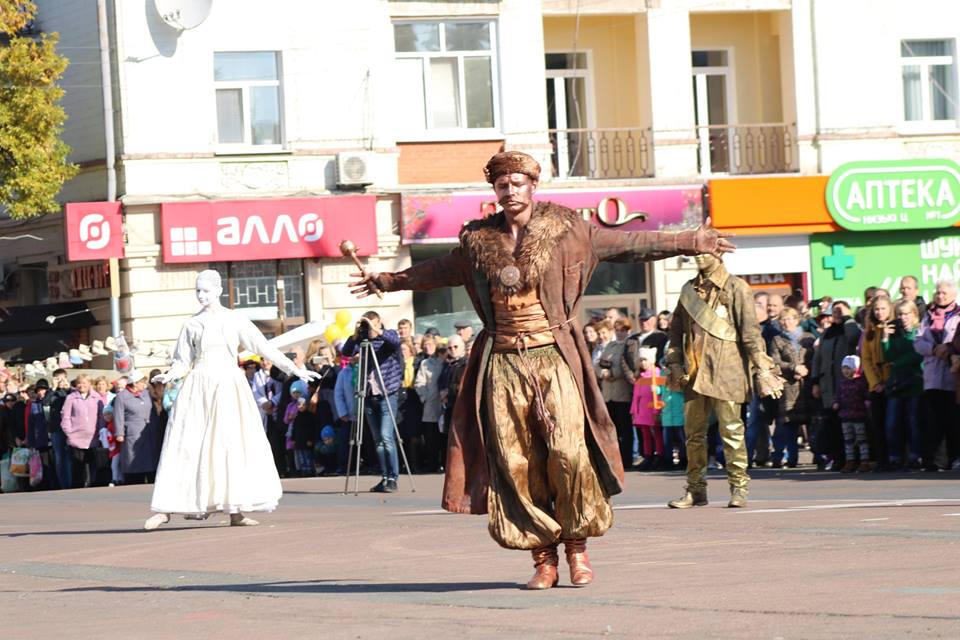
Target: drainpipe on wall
{"type": "Point", "coordinates": [107, 86]}
{"type": "Point", "coordinates": [816, 86]}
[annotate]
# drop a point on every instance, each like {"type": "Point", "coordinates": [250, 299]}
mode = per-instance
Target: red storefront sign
{"type": "Point", "coordinates": [231, 230]}
{"type": "Point", "coordinates": [430, 218]}
{"type": "Point", "coordinates": [94, 231]}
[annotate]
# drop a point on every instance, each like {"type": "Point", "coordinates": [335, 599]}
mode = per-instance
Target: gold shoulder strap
{"type": "Point", "coordinates": [704, 316]}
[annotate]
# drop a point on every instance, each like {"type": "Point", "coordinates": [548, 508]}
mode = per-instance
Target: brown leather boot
{"type": "Point", "coordinates": [581, 574]}
{"type": "Point", "coordinates": [545, 560]}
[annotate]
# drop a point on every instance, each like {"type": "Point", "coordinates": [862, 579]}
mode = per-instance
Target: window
{"type": "Point", "coordinates": [446, 76]}
{"type": "Point", "coordinates": [929, 80]}
{"type": "Point", "coordinates": [252, 288]}
{"type": "Point", "coordinates": [248, 98]}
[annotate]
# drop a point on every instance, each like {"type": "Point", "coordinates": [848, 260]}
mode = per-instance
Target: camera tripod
{"type": "Point", "coordinates": [368, 355]}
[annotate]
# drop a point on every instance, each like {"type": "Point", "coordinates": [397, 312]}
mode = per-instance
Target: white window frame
{"type": "Point", "coordinates": [247, 146]}
{"type": "Point", "coordinates": [455, 133]}
{"type": "Point", "coordinates": [729, 72]}
{"type": "Point", "coordinates": [560, 93]}
{"type": "Point", "coordinates": [927, 124]}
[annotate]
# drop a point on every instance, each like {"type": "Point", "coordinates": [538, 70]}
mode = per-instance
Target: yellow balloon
{"type": "Point", "coordinates": [332, 333]}
{"type": "Point", "coordinates": [344, 318]}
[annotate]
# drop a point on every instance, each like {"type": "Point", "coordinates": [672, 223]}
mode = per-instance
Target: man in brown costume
{"type": "Point", "coordinates": [530, 440]}
{"type": "Point", "coordinates": [715, 347]}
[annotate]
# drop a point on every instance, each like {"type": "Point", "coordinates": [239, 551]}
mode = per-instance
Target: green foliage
{"type": "Point", "coordinates": [33, 158]}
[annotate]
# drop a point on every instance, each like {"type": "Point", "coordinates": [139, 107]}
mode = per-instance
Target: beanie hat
{"type": "Point", "coordinates": [649, 354]}
{"type": "Point", "coordinates": [326, 432]}
{"type": "Point", "coordinates": [853, 362]}
{"type": "Point", "coordinates": [41, 384]}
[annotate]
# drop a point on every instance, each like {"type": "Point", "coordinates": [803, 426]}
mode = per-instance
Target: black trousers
{"type": "Point", "coordinates": [877, 427]}
{"type": "Point", "coordinates": [942, 423]}
{"type": "Point", "coordinates": [147, 477]}
{"type": "Point", "coordinates": [620, 415]}
{"type": "Point", "coordinates": [84, 469]}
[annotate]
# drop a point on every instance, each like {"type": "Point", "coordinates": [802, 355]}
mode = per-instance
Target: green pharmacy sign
{"type": "Point", "coordinates": [886, 195]}
{"type": "Point", "coordinates": [844, 263]}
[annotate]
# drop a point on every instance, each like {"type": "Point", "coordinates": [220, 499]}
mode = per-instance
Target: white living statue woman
{"type": "Point", "coordinates": [215, 454]}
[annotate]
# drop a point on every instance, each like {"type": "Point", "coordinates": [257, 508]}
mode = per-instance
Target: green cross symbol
{"type": "Point", "coordinates": [839, 262]}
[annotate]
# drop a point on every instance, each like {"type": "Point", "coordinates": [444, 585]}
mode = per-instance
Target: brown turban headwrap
{"type": "Point", "coordinates": [511, 162]}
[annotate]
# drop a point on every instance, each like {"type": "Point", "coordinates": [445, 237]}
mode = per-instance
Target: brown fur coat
{"type": "Point", "coordinates": [557, 255]}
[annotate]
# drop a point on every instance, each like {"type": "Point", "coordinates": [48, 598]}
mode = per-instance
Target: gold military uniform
{"type": "Point", "coordinates": [718, 360]}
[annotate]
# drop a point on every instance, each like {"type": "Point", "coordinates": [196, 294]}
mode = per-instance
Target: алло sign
{"type": "Point", "coordinates": [883, 195]}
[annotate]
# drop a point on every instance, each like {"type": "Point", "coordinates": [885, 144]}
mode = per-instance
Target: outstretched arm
{"type": "Point", "coordinates": [252, 340]}
{"type": "Point", "coordinates": [446, 271]}
{"type": "Point", "coordinates": [182, 359]}
{"type": "Point", "coordinates": [636, 246]}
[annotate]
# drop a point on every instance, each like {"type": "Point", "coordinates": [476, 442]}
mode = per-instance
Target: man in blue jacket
{"type": "Point", "coordinates": [386, 347]}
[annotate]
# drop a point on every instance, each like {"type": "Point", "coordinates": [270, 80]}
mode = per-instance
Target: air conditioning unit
{"type": "Point", "coordinates": [355, 168]}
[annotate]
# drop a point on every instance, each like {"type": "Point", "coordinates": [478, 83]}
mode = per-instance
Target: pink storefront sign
{"type": "Point", "coordinates": [437, 218]}
{"type": "Point", "coordinates": [227, 230]}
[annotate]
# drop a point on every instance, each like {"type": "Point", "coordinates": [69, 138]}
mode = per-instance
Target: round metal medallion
{"type": "Point", "coordinates": [510, 276]}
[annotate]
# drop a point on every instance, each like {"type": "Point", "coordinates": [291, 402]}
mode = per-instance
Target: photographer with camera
{"type": "Point", "coordinates": [379, 402]}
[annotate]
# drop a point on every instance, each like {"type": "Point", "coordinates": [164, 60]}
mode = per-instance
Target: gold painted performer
{"type": "Point", "coordinates": [530, 441]}
{"type": "Point", "coordinates": [715, 345]}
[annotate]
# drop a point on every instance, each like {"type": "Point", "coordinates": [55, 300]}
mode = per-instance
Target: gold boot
{"type": "Point", "coordinates": [545, 560]}
{"type": "Point", "coordinates": [581, 573]}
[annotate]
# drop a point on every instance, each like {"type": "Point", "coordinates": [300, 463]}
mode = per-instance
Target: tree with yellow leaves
{"type": "Point", "coordinates": [33, 158]}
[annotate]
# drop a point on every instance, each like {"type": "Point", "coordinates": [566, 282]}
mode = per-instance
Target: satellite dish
{"type": "Point", "coordinates": [183, 15]}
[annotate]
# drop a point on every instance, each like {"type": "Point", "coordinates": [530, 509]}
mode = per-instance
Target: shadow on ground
{"type": "Point", "coordinates": [313, 586]}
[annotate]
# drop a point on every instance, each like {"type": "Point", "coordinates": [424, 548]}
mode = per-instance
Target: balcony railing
{"type": "Point", "coordinates": [747, 148]}
{"type": "Point", "coordinates": [602, 153]}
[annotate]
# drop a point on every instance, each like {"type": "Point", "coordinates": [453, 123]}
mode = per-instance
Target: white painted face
{"type": "Point", "coordinates": [208, 292]}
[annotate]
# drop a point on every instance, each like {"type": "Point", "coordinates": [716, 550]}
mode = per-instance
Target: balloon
{"type": "Point", "coordinates": [344, 318]}
{"type": "Point", "coordinates": [332, 332]}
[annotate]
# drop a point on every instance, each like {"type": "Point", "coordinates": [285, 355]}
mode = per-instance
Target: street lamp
{"type": "Point", "coordinates": [52, 319]}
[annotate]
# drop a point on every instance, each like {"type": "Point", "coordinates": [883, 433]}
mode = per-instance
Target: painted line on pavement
{"type": "Point", "coordinates": [851, 505]}
{"type": "Point", "coordinates": [873, 519]}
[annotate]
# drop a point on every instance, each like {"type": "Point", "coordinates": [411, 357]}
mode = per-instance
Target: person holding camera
{"type": "Point", "coordinates": [380, 402]}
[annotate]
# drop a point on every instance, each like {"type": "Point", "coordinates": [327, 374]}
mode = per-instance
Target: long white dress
{"type": "Point", "coordinates": [215, 454]}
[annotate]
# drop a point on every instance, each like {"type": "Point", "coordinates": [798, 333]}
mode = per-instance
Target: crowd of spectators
{"type": "Point", "coordinates": [98, 432]}
{"type": "Point", "coordinates": [62, 434]}
{"type": "Point", "coordinates": [866, 390]}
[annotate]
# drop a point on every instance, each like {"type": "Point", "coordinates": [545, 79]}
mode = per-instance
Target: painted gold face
{"type": "Point", "coordinates": [706, 262]}
{"type": "Point", "coordinates": [515, 192]}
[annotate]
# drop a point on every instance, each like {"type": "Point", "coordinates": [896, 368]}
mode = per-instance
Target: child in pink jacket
{"type": "Point", "coordinates": [645, 410]}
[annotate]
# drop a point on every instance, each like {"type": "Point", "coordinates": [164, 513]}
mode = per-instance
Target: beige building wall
{"type": "Point", "coordinates": [754, 41]}
{"type": "Point", "coordinates": [611, 46]}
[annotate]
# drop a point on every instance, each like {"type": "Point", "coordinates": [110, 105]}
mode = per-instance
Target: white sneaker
{"type": "Point", "coordinates": [154, 521]}
{"type": "Point", "coordinates": [956, 465]}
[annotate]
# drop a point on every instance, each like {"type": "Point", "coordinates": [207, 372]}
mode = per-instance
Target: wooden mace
{"type": "Point", "coordinates": [349, 250]}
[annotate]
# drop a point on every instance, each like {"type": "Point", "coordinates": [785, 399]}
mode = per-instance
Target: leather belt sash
{"type": "Point", "coordinates": [704, 316]}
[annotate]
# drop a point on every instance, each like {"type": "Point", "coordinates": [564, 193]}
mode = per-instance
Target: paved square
{"type": "Point", "coordinates": [814, 555]}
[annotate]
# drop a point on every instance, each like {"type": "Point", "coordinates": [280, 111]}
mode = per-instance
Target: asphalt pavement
{"type": "Point", "coordinates": [815, 555]}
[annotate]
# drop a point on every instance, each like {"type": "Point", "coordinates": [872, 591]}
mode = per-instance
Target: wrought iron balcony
{"type": "Point", "coordinates": [747, 148]}
{"type": "Point", "coordinates": [602, 153]}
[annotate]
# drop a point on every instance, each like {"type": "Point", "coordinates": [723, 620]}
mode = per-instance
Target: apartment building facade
{"type": "Point", "coordinates": [255, 140]}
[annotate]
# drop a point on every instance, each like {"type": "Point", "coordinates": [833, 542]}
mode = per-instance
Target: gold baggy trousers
{"type": "Point", "coordinates": [696, 415]}
{"type": "Point", "coordinates": [543, 486]}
